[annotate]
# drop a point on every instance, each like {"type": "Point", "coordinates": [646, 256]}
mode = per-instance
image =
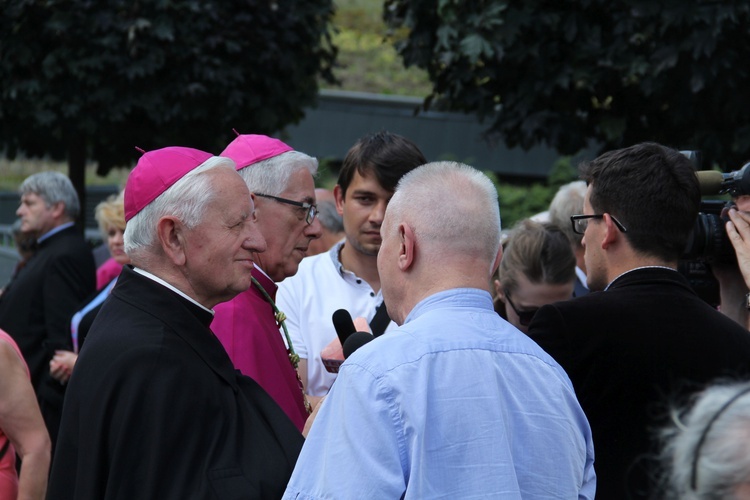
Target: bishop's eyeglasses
{"type": "Point", "coordinates": [311, 208]}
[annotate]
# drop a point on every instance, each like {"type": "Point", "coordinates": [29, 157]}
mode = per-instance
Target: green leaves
{"type": "Point", "coordinates": [573, 73]}
{"type": "Point", "coordinates": [475, 46]}
{"type": "Point", "coordinates": [154, 73]}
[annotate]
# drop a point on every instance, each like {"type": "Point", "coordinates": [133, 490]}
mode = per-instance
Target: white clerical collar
{"type": "Point", "coordinates": [262, 272]}
{"type": "Point", "coordinates": [175, 290]}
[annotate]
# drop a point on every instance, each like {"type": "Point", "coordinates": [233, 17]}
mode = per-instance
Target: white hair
{"type": "Point", "coordinates": [53, 187]}
{"type": "Point", "coordinates": [186, 200]}
{"type": "Point", "coordinates": [451, 205]}
{"type": "Point", "coordinates": [568, 201]}
{"type": "Point", "coordinates": [709, 445]}
{"type": "Point", "coordinates": [272, 176]}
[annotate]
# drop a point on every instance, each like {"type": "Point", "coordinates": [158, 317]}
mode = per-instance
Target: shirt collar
{"type": "Point", "coordinates": [335, 254]}
{"type": "Point", "coordinates": [461, 297]}
{"type": "Point", "coordinates": [175, 290]}
{"type": "Point", "coordinates": [582, 277]}
{"type": "Point", "coordinates": [54, 231]}
{"type": "Point", "coordinates": [636, 269]}
{"type": "Point", "coordinates": [262, 272]}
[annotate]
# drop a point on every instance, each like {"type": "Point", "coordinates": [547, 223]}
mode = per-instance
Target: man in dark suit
{"type": "Point", "coordinates": [36, 307]}
{"type": "Point", "coordinates": [643, 340]}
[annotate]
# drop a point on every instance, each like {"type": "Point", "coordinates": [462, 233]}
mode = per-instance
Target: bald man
{"type": "Point", "coordinates": [455, 402]}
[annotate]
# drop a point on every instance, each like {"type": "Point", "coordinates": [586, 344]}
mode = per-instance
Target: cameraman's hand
{"type": "Point", "coordinates": [738, 230]}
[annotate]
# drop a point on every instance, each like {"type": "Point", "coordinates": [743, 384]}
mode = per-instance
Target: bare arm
{"type": "Point", "coordinates": [21, 421]}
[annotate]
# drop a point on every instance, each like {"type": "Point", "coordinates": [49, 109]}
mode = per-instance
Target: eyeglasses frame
{"type": "Point", "coordinates": [574, 218]}
{"type": "Point", "coordinates": [312, 208]}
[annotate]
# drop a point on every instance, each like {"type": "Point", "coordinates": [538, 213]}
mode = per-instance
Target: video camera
{"type": "Point", "coordinates": [708, 242]}
{"type": "Point", "coordinates": [709, 238]}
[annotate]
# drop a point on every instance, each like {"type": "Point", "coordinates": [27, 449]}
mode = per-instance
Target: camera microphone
{"type": "Point", "coordinates": [735, 183]}
{"type": "Point", "coordinates": [709, 181]}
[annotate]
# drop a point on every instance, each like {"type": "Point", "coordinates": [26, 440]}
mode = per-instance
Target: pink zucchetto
{"type": "Point", "coordinates": [248, 149]}
{"type": "Point", "coordinates": [156, 172]}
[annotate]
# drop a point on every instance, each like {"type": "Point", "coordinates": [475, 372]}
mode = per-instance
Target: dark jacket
{"type": "Point", "coordinates": [631, 352]}
{"type": "Point", "coordinates": [155, 409]}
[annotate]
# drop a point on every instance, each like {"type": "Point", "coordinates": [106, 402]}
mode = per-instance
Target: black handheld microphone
{"type": "Point", "coordinates": [343, 323]}
{"type": "Point", "coordinates": [355, 341]}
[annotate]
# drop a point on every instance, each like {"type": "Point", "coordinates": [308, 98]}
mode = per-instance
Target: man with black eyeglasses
{"type": "Point", "coordinates": [281, 184]}
{"type": "Point", "coordinates": [644, 340]}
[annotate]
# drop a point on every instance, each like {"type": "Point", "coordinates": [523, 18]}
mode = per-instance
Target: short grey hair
{"type": "Point", "coordinates": [53, 187]}
{"type": "Point", "coordinates": [710, 440]}
{"type": "Point", "coordinates": [272, 176]}
{"type": "Point", "coordinates": [568, 201]}
{"type": "Point", "coordinates": [186, 200]}
{"type": "Point", "coordinates": [450, 205]}
{"type": "Point", "coordinates": [329, 217]}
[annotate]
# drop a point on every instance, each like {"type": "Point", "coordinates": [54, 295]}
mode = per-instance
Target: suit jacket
{"type": "Point", "coordinates": [37, 305]}
{"type": "Point", "coordinates": [155, 409]}
{"type": "Point", "coordinates": [631, 352]}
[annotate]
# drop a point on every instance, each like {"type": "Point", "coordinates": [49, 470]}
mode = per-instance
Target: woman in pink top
{"type": "Point", "coordinates": [22, 429]}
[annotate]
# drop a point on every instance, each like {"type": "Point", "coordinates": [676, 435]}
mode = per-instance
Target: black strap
{"type": "Point", "coordinates": [380, 321]}
{"type": "Point", "coordinates": [5, 448]}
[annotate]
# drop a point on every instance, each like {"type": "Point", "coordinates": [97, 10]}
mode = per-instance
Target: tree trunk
{"type": "Point", "coordinates": [77, 174]}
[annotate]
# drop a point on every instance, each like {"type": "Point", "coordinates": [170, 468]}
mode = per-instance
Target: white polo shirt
{"type": "Point", "coordinates": [309, 298]}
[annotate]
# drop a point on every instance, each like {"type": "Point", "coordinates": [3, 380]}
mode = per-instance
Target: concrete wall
{"type": "Point", "coordinates": [341, 117]}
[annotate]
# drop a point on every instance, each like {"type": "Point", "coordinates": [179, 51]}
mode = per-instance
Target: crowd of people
{"type": "Point", "coordinates": [566, 358]}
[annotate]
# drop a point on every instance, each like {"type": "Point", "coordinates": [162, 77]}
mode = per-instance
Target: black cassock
{"type": "Point", "coordinates": [155, 409]}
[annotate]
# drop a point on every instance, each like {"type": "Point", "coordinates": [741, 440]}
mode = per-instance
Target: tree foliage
{"type": "Point", "coordinates": [518, 201]}
{"type": "Point", "coordinates": [86, 79]}
{"type": "Point", "coordinates": [572, 73]}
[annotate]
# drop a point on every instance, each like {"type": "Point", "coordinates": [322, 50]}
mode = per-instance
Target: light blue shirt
{"type": "Point", "coordinates": [456, 403]}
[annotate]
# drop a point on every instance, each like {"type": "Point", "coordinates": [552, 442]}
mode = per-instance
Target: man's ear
{"type": "Point", "coordinates": [498, 258]}
{"type": "Point", "coordinates": [499, 292]}
{"type": "Point", "coordinates": [407, 247]}
{"type": "Point", "coordinates": [57, 209]}
{"type": "Point", "coordinates": [338, 195]}
{"type": "Point", "coordinates": [611, 233]}
{"type": "Point", "coordinates": [171, 235]}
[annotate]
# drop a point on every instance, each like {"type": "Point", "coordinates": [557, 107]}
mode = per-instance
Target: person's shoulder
{"type": "Point", "coordinates": [578, 305]}
{"type": "Point", "coordinates": [315, 264]}
{"type": "Point", "coordinates": [70, 243]}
